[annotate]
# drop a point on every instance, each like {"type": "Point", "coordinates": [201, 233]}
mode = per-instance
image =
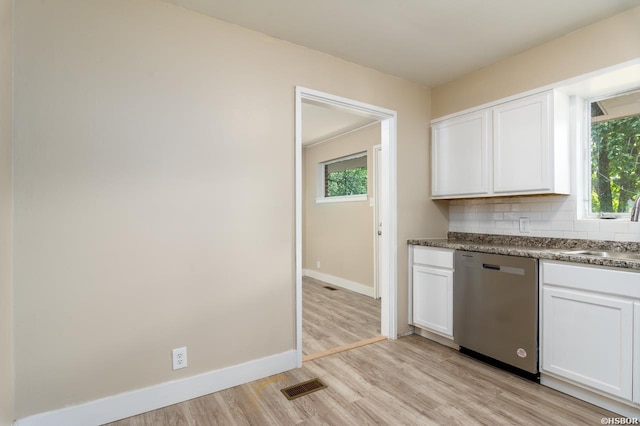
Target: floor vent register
{"type": "Point", "coordinates": [302, 389]}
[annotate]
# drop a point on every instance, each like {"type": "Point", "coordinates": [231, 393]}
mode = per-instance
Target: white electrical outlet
{"type": "Point", "coordinates": [524, 225]}
{"type": "Point", "coordinates": [318, 264]}
{"type": "Point", "coordinates": [179, 358]}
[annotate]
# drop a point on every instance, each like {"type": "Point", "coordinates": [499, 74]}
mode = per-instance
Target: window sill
{"type": "Point", "coordinates": [343, 199]}
{"type": "Point", "coordinates": [621, 218]}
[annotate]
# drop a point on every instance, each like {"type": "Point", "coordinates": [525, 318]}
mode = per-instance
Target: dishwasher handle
{"type": "Point", "coordinates": [490, 266]}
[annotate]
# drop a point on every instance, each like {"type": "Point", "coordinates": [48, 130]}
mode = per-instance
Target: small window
{"type": "Point", "coordinates": [343, 179]}
{"type": "Point", "coordinates": [615, 154]}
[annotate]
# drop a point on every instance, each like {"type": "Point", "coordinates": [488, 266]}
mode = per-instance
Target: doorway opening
{"type": "Point", "coordinates": [385, 222]}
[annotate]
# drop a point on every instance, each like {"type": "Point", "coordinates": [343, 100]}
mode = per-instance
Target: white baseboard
{"type": "Point", "coordinates": [339, 282]}
{"type": "Point", "coordinates": [129, 404]}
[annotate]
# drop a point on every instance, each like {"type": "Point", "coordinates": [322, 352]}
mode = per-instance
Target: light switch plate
{"type": "Point", "coordinates": [525, 225]}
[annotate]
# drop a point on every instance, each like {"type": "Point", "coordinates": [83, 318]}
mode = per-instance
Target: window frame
{"type": "Point", "coordinates": [320, 181]}
{"type": "Point", "coordinates": [586, 142]}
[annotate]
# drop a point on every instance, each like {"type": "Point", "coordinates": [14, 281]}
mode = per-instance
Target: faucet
{"type": "Point", "coordinates": [635, 211]}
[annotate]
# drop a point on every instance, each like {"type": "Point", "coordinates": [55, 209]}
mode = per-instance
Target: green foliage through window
{"type": "Point", "coordinates": [344, 176]}
{"type": "Point", "coordinates": [346, 182]}
{"type": "Point", "coordinates": [615, 164]}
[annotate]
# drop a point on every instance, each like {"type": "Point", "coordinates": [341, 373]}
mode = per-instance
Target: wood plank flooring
{"type": "Point", "coordinates": [411, 381]}
{"type": "Point", "coordinates": [344, 348]}
{"type": "Point", "coordinates": [335, 318]}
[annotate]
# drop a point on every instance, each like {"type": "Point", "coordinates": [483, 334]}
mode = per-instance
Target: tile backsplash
{"type": "Point", "coordinates": [549, 216]}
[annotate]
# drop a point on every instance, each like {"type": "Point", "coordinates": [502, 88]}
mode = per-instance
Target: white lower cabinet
{"type": "Point", "coordinates": [588, 338]}
{"type": "Point", "coordinates": [431, 290]}
{"type": "Point", "coordinates": [433, 299]}
{"type": "Point", "coordinates": [590, 334]}
{"type": "Point", "coordinates": [636, 353]}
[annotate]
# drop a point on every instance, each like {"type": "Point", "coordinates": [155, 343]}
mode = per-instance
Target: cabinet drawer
{"type": "Point", "coordinates": [440, 258]}
{"type": "Point", "coordinates": [591, 278]}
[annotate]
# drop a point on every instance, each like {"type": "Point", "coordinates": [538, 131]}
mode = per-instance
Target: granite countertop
{"type": "Point", "coordinates": [537, 247]}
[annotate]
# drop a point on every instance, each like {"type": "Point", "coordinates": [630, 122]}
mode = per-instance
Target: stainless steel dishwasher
{"type": "Point", "coordinates": [495, 309]}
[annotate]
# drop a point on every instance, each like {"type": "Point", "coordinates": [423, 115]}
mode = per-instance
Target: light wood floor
{"type": "Point", "coordinates": [411, 381]}
{"type": "Point", "coordinates": [335, 318]}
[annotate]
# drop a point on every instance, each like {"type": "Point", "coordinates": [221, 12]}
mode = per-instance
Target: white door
{"type": "Point", "coordinates": [460, 155]}
{"type": "Point", "coordinates": [521, 145]}
{"type": "Point", "coordinates": [377, 223]}
{"type": "Point", "coordinates": [588, 338]}
{"type": "Point", "coordinates": [433, 299]}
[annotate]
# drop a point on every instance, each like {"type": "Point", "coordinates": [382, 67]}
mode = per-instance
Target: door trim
{"type": "Point", "coordinates": [389, 245]}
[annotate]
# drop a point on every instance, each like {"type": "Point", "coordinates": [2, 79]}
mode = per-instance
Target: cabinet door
{"type": "Point", "coordinates": [459, 155]}
{"type": "Point", "coordinates": [587, 338]}
{"type": "Point", "coordinates": [636, 353]}
{"type": "Point", "coordinates": [522, 134]}
{"type": "Point", "coordinates": [433, 299]}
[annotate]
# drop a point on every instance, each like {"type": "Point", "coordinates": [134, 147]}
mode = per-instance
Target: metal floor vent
{"type": "Point", "coordinates": [302, 389]}
{"type": "Point", "coordinates": [330, 288]}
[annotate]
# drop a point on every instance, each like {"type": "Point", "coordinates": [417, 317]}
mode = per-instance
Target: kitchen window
{"type": "Point", "coordinates": [343, 179]}
{"type": "Point", "coordinates": [614, 154]}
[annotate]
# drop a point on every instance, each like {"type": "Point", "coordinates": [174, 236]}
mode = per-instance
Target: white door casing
{"type": "Point", "coordinates": [388, 198]}
{"type": "Point", "coordinates": [377, 224]}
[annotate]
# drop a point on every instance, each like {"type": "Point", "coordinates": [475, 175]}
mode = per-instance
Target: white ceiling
{"type": "Point", "coordinates": [320, 123]}
{"type": "Point", "coordinates": [426, 41]}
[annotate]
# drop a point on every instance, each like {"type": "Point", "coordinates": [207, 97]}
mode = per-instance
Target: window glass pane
{"type": "Point", "coordinates": [615, 153]}
{"type": "Point", "coordinates": [353, 163]}
{"type": "Point", "coordinates": [346, 177]}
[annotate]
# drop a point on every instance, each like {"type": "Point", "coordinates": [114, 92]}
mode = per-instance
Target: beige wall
{"type": "Point", "coordinates": [6, 214]}
{"type": "Point", "coordinates": [603, 44]}
{"type": "Point", "coordinates": [340, 235]}
{"type": "Point", "coordinates": [154, 192]}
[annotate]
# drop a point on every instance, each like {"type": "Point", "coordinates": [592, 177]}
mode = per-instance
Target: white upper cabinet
{"type": "Point", "coordinates": [521, 145]}
{"type": "Point", "coordinates": [460, 155]}
{"type": "Point", "coordinates": [517, 147]}
{"type": "Point", "coordinates": [531, 145]}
